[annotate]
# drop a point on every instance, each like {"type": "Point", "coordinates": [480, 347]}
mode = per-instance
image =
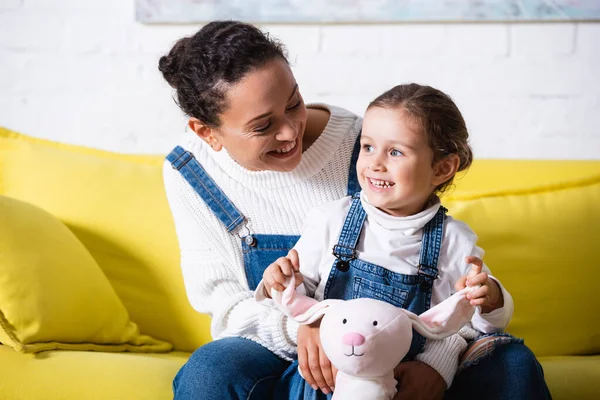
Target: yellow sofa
{"type": "Point", "coordinates": [537, 220]}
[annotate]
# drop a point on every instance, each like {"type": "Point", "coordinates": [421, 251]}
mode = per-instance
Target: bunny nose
{"type": "Point", "coordinates": [353, 339]}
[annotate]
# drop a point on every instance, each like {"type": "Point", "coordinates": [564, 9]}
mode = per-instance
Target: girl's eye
{"type": "Point", "coordinates": [263, 128]}
{"type": "Point", "coordinates": [396, 153]}
{"type": "Point", "coordinates": [367, 147]}
{"type": "Point", "coordinates": [294, 106]}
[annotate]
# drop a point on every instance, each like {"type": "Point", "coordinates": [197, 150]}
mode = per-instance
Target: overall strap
{"type": "Point", "coordinates": [353, 186]}
{"type": "Point", "coordinates": [193, 172]}
{"type": "Point", "coordinates": [431, 245]}
{"type": "Point", "coordinates": [345, 249]}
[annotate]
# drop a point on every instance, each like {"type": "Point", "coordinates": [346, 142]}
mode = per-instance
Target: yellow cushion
{"type": "Point", "coordinates": [115, 204]}
{"type": "Point", "coordinates": [53, 295]}
{"type": "Point", "coordinates": [61, 375]}
{"type": "Point", "coordinates": [538, 223]}
{"type": "Point", "coordinates": [572, 377]}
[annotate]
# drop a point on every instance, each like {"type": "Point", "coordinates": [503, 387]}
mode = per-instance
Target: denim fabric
{"type": "Point", "coordinates": [353, 186]}
{"type": "Point", "coordinates": [230, 368]}
{"type": "Point", "coordinates": [203, 184]}
{"type": "Point", "coordinates": [264, 250]}
{"type": "Point", "coordinates": [509, 372]}
{"type": "Point", "coordinates": [363, 279]}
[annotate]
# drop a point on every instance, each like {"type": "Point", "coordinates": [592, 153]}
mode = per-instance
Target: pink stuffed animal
{"type": "Point", "coordinates": [366, 338]}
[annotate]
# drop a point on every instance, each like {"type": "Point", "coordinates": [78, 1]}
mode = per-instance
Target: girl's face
{"type": "Point", "coordinates": [395, 165]}
{"type": "Point", "coordinates": [263, 125]}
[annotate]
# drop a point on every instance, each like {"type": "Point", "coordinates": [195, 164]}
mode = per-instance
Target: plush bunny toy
{"type": "Point", "coordinates": [366, 338]}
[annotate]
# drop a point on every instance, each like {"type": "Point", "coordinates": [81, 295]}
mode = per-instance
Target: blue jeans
{"type": "Point", "coordinates": [235, 368]}
{"type": "Point", "coordinates": [231, 368]}
{"type": "Point", "coordinates": [510, 371]}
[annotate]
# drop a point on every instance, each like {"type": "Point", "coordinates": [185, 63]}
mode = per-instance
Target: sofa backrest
{"type": "Point", "coordinates": [538, 223]}
{"type": "Point", "coordinates": [536, 220]}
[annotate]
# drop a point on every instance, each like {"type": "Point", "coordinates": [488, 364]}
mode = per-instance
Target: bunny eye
{"type": "Point", "coordinates": [374, 323]}
{"type": "Point", "coordinates": [344, 321]}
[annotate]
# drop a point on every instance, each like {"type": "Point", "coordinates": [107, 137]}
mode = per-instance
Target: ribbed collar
{"type": "Point", "coordinates": [402, 225]}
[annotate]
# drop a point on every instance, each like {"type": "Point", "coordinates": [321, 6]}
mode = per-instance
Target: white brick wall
{"type": "Point", "coordinates": [85, 72]}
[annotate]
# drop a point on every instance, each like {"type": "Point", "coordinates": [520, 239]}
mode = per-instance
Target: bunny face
{"type": "Point", "coordinates": [365, 337]}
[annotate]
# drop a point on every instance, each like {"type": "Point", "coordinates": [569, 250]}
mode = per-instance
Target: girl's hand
{"type": "Point", "coordinates": [488, 296]}
{"type": "Point", "coordinates": [276, 274]}
{"type": "Point", "coordinates": [316, 367]}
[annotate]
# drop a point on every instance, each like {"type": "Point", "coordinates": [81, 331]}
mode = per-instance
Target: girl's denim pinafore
{"type": "Point", "coordinates": [352, 278]}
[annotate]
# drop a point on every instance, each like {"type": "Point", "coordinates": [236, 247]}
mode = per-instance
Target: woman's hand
{"type": "Point", "coordinates": [488, 296]}
{"type": "Point", "coordinates": [277, 274]}
{"type": "Point", "coordinates": [418, 381]}
{"type": "Point", "coordinates": [316, 367]}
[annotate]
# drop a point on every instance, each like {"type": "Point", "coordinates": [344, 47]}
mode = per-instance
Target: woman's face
{"type": "Point", "coordinates": [263, 125]}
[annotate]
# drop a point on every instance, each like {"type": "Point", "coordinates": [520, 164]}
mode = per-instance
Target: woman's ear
{"type": "Point", "coordinates": [206, 133]}
{"type": "Point", "coordinates": [445, 169]}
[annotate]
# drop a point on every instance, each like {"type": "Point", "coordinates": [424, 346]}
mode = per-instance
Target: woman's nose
{"type": "Point", "coordinates": [353, 339]}
{"type": "Point", "coordinates": [287, 132]}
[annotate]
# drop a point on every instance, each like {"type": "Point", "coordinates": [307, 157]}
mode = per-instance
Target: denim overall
{"type": "Point", "coordinates": [352, 278]}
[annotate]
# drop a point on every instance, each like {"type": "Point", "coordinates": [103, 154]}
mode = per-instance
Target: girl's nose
{"type": "Point", "coordinates": [353, 339]}
{"type": "Point", "coordinates": [376, 166]}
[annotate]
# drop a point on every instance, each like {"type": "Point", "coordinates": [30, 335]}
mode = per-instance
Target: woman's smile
{"type": "Point", "coordinates": [286, 151]}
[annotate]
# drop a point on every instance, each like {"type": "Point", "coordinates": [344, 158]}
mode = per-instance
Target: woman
{"type": "Point", "coordinates": [239, 188]}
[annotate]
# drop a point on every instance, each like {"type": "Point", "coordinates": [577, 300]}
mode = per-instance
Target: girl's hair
{"type": "Point", "coordinates": [203, 66]}
{"type": "Point", "coordinates": [438, 116]}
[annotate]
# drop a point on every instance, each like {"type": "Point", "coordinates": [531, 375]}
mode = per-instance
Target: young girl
{"type": "Point", "coordinates": [393, 240]}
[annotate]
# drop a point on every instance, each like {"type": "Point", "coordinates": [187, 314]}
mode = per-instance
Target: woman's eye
{"type": "Point", "coordinates": [263, 128]}
{"type": "Point", "coordinates": [396, 153]}
{"type": "Point", "coordinates": [367, 147]}
{"type": "Point", "coordinates": [294, 106]}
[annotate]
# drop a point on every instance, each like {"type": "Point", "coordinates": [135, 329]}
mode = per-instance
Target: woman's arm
{"type": "Point", "coordinates": [214, 276]}
{"type": "Point", "coordinates": [443, 355]}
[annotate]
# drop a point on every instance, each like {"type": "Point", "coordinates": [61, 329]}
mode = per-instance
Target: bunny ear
{"type": "Point", "coordinates": [303, 309]}
{"type": "Point", "coordinates": [446, 318]}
